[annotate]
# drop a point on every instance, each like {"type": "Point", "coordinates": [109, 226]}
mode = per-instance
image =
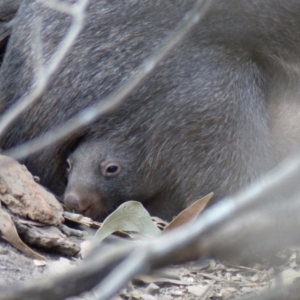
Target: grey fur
{"type": "Point", "coordinates": [206, 120]}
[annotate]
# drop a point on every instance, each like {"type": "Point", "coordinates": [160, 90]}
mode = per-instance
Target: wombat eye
{"type": "Point", "coordinates": [69, 165]}
{"type": "Point", "coordinates": [110, 169]}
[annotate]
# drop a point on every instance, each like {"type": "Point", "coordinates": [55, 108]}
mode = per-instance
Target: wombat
{"type": "Point", "coordinates": [8, 9]}
{"type": "Point", "coordinates": [221, 110]}
{"type": "Point", "coordinates": [117, 37]}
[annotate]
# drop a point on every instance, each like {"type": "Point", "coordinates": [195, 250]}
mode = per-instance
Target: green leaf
{"type": "Point", "coordinates": [130, 216]}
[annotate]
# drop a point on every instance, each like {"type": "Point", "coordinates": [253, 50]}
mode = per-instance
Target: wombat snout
{"type": "Point", "coordinates": [74, 204]}
{"type": "Point", "coordinates": [86, 204]}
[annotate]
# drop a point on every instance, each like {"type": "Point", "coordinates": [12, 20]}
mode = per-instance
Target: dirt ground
{"type": "Point", "coordinates": [209, 280]}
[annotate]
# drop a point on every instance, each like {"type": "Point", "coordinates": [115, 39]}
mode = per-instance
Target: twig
{"type": "Point", "coordinates": [134, 263]}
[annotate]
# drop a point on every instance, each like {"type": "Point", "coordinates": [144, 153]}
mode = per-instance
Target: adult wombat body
{"type": "Point", "coordinates": [220, 111]}
{"type": "Point", "coordinates": [117, 37]}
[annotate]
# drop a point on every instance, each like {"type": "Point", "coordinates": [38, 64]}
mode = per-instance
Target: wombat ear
{"type": "Point", "coordinates": [110, 168]}
{"type": "Point", "coordinates": [69, 165]}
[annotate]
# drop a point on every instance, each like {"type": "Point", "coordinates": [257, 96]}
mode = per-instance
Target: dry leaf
{"type": "Point", "coordinates": [40, 263]}
{"type": "Point", "coordinates": [190, 213]}
{"type": "Point", "coordinates": [161, 224]}
{"type": "Point", "coordinates": [199, 290]}
{"type": "Point", "coordinates": [152, 289]}
{"type": "Point", "coordinates": [147, 297]}
{"type": "Point", "coordinates": [130, 216]}
{"type": "Point", "coordinates": [286, 277]}
{"type": "Point", "coordinates": [152, 279]}
{"type": "Point", "coordinates": [9, 233]}
{"type": "Point", "coordinates": [80, 220]}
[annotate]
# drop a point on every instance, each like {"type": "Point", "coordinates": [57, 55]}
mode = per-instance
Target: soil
{"type": "Point", "coordinates": [210, 280]}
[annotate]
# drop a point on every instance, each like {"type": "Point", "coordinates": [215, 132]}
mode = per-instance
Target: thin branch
{"type": "Point", "coordinates": [114, 281]}
{"type": "Point", "coordinates": [114, 100]}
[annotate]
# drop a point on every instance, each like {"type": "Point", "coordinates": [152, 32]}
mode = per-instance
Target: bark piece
{"type": "Point", "coordinates": [47, 237]}
{"type": "Point", "coordinates": [24, 197]}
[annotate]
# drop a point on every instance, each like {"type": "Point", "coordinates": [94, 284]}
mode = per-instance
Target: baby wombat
{"type": "Point", "coordinates": [222, 109]}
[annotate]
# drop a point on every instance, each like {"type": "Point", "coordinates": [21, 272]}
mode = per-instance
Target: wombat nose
{"type": "Point", "coordinates": [72, 202]}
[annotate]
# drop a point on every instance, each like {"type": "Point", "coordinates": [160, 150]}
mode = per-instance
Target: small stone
{"type": "Point", "coordinates": [152, 289]}
{"type": "Point", "coordinates": [176, 293]}
{"type": "Point", "coordinates": [148, 297]}
{"type": "Point", "coordinates": [3, 251]}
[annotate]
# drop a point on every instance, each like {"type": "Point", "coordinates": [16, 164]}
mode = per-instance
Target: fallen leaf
{"type": "Point", "coordinates": [286, 277]}
{"type": "Point", "coordinates": [9, 233]}
{"type": "Point", "coordinates": [161, 224]}
{"type": "Point", "coordinates": [80, 220]}
{"type": "Point", "coordinates": [190, 213]}
{"type": "Point", "coordinates": [176, 293]}
{"type": "Point", "coordinates": [130, 216]}
{"type": "Point", "coordinates": [152, 289]}
{"type": "Point", "coordinates": [151, 279]}
{"type": "Point", "coordinates": [40, 263]}
{"type": "Point", "coordinates": [199, 290]}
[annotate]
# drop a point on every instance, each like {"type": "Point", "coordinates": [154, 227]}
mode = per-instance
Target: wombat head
{"type": "Point", "coordinates": [102, 175]}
